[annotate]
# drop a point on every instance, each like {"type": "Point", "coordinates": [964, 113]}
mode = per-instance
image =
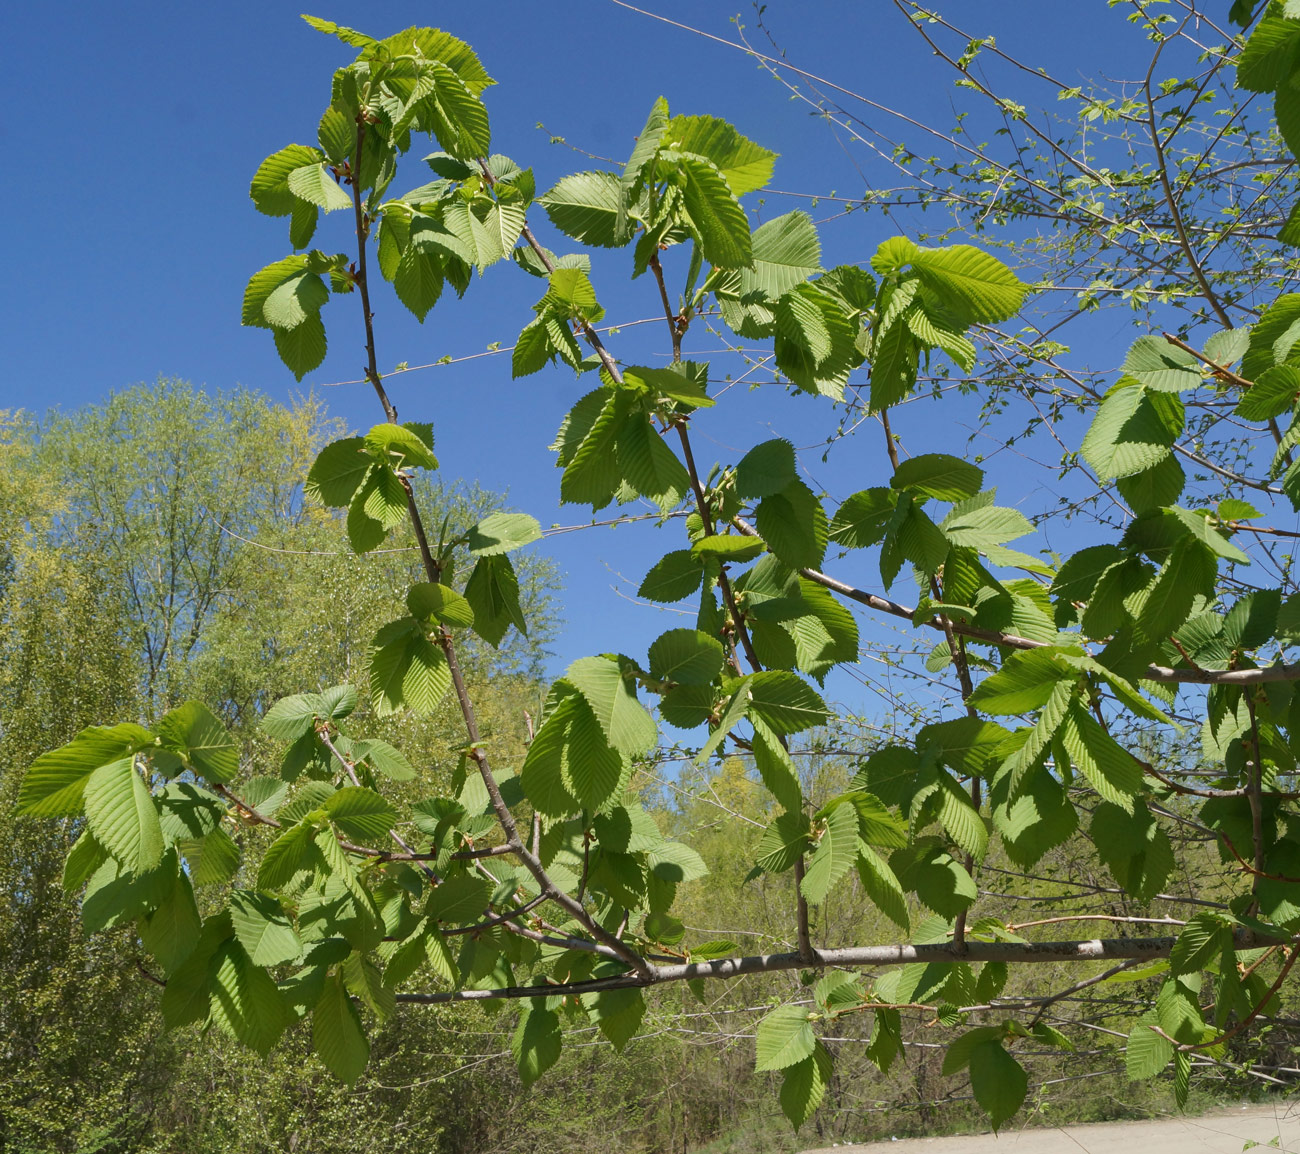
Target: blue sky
{"type": "Point", "coordinates": [139, 126]}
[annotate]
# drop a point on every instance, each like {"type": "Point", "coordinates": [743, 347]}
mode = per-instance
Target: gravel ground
{"type": "Point", "coordinates": [1223, 1132]}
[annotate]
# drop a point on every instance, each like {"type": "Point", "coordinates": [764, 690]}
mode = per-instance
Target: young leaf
{"type": "Point", "coordinates": [998, 1081]}
{"type": "Point", "coordinates": [744, 165]}
{"type": "Point", "coordinates": [588, 207]}
{"type": "Point", "coordinates": [835, 854]}
{"type": "Point", "coordinates": [54, 784]}
{"type": "Point", "coordinates": [715, 213]}
{"type": "Point", "coordinates": [610, 693]}
{"type": "Point", "coordinates": [337, 1034]}
{"type": "Point", "coordinates": [263, 929]}
{"type": "Point", "coordinates": [804, 1085]}
{"type": "Point", "coordinates": [939, 475]}
{"type": "Point", "coordinates": [536, 1041]}
{"type": "Point", "coordinates": [122, 815]}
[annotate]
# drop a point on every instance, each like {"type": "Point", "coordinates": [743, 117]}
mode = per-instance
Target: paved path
{"type": "Point", "coordinates": [1223, 1132]}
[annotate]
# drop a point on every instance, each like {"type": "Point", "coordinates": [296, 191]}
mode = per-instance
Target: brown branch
{"type": "Point", "coordinates": [1255, 791]}
{"type": "Point", "coordinates": [1097, 949]}
{"type": "Point", "coordinates": [1161, 673]}
{"type": "Point", "coordinates": [360, 278]}
{"type": "Point", "coordinates": [1221, 371]}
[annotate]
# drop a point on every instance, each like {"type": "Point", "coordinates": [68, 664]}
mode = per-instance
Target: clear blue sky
{"type": "Point", "coordinates": [133, 129]}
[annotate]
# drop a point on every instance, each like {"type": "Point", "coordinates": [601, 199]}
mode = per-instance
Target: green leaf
{"type": "Point", "coordinates": [1132, 431]}
{"type": "Point", "coordinates": [785, 1037]}
{"type": "Point", "coordinates": [361, 813]}
{"type": "Point", "coordinates": [1134, 847]}
{"type": "Point", "coordinates": [1156, 363]}
{"type": "Point", "coordinates": [1159, 485]}
{"type": "Point", "coordinates": [715, 214]}
{"type": "Point", "coordinates": [976, 286]}
{"type": "Point", "coordinates": [503, 533]}
{"type": "Point", "coordinates": [685, 382]}
{"type": "Point", "coordinates": [793, 523]}
{"type": "Point", "coordinates": [459, 899]}
{"type": "Point", "coordinates": [302, 348]}
{"type": "Point", "coordinates": [816, 340]}
{"type": "Point", "coordinates": [587, 207]}
{"type": "Point", "coordinates": [263, 929]}
{"type": "Point", "coordinates": [193, 731]}
{"type": "Point", "coordinates": [861, 521]}
{"type": "Point", "coordinates": [671, 861]}
{"type": "Point", "coordinates": [54, 784]}
{"type": "Point", "coordinates": [245, 1001]}
{"type": "Point", "coordinates": [315, 184]}
{"type": "Point", "coordinates": [786, 702]}
{"type": "Point", "coordinates": [744, 165]}
{"type": "Point", "coordinates": [783, 842]}
{"type": "Point", "coordinates": [882, 887]}
{"type": "Point", "coordinates": [804, 1086]}
{"type": "Point", "coordinates": [775, 767]}
{"type": "Point", "coordinates": [985, 527]}
{"type": "Point", "coordinates": [407, 669]}
{"type": "Point", "coordinates": [1200, 944]}
{"type": "Point", "coordinates": [938, 879]}
{"type": "Point", "coordinates": [418, 277]}
{"type": "Point", "coordinates": [894, 359]}
{"type": "Point", "coordinates": [998, 1081]}
{"type": "Point", "coordinates": [186, 997]}
{"type": "Point", "coordinates": [939, 475]}
{"type": "Point", "coordinates": [1112, 770]}
{"type": "Point", "coordinates": [674, 576]}
{"type": "Point", "coordinates": [648, 142]}
{"type": "Point", "coordinates": [84, 858]}
{"type": "Point", "coordinates": [122, 815]}
{"type": "Point", "coordinates": [612, 697]}
{"type": "Point", "coordinates": [618, 1013]}
{"type": "Point", "coordinates": [835, 854]}
{"type": "Point", "coordinates": [786, 253]}
{"type": "Point", "coordinates": [1267, 59]}
{"type": "Point", "coordinates": [430, 602]}
{"type": "Point", "coordinates": [171, 931]}
{"type": "Point", "coordinates": [213, 859]}
{"type": "Point", "coordinates": [115, 895]}
{"type": "Point", "coordinates": [727, 547]}
{"type": "Point", "coordinates": [338, 472]}
{"type": "Point", "coordinates": [766, 469]}
{"type": "Point", "coordinates": [337, 1034]}
{"type": "Point", "coordinates": [542, 775]}
{"type": "Point", "coordinates": [536, 1041]}
{"type": "Point", "coordinates": [399, 446]}
{"type": "Point", "coordinates": [292, 717]}
{"type": "Point", "coordinates": [493, 593]}
{"type": "Point", "coordinates": [1026, 681]}
{"type": "Point", "coordinates": [592, 475]}
{"type": "Point", "coordinates": [1147, 1053]}
{"type": "Point", "coordinates": [270, 187]}
{"type": "Point", "coordinates": [1274, 392]}
{"type": "Point", "coordinates": [284, 857]}
{"type": "Point", "coordinates": [957, 1056]}
{"type": "Point", "coordinates": [686, 657]}
{"type": "Point", "coordinates": [648, 465]}
{"type": "Point", "coordinates": [294, 301]}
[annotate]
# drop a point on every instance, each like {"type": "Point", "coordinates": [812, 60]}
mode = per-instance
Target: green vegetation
{"type": "Point", "coordinates": [307, 778]}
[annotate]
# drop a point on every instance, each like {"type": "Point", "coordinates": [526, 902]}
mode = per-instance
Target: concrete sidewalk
{"type": "Point", "coordinates": [1274, 1127]}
